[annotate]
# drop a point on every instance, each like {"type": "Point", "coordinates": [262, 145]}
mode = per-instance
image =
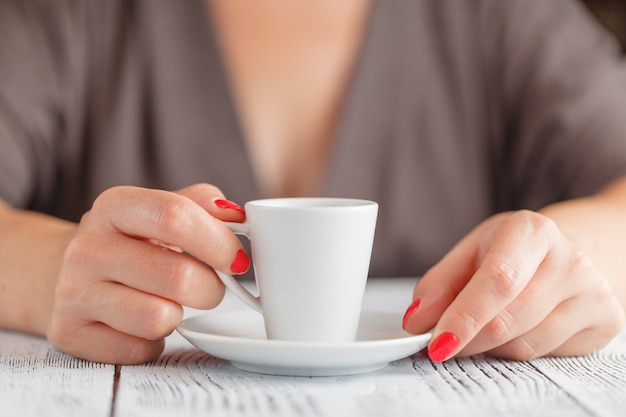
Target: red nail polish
{"type": "Point", "coordinates": [227, 204]}
{"type": "Point", "coordinates": [441, 348]}
{"type": "Point", "coordinates": [241, 263]}
{"type": "Point", "coordinates": [409, 311]}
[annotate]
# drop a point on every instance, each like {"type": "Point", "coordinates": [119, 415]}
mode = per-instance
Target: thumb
{"type": "Point", "coordinates": [440, 285]}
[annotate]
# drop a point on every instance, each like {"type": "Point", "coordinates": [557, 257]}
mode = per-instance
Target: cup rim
{"type": "Point", "coordinates": [314, 203]}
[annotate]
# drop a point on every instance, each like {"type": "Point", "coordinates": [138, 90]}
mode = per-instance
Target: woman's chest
{"type": "Point", "coordinates": [288, 65]}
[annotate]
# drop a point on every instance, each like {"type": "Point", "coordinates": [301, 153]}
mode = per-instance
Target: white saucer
{"type": "Point", "coordinates": [239, 337]}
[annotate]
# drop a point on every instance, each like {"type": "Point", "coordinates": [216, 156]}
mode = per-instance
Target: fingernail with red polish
{"type": "Point", "coordinates": [241, 263]}
{"type": "Point", "coordinates": [409, 311]}
{"type": "Point", "coordinates": [227, 204]}
{"type": "Point", "coordinates": [441, 348]}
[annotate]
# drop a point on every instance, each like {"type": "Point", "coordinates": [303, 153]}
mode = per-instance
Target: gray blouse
{"type": "Point", "coordinates": [457, 109]}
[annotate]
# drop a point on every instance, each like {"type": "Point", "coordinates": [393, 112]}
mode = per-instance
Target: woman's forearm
{"type": "Point", "coordinates": [597, 225]}
{"type": "Point", "coordinates": [31, 250]}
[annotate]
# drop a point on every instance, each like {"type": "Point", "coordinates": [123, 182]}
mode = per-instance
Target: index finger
{"type": "Point", "coordinates": [514, 253]}
{"type": "Point", "coordinates": [175, 220]}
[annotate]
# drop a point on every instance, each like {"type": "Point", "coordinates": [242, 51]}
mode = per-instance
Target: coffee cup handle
{"type": "Point", "coordinates": [230, 282]}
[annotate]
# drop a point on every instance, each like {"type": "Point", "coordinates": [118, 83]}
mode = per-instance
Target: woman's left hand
{"type": "Point", "coordinates": [516, 287]}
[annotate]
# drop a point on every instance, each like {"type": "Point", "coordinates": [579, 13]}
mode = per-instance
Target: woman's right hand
{"type": "Point", "coordinates": [137, 257]}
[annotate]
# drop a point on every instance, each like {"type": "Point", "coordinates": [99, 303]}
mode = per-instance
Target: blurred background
{"type": "Point", "coordinates": [612, 13]}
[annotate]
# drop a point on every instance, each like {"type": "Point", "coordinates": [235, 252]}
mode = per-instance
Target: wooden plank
{"type": "Point", "coordinates": [36, 380]}
{"type": "Point", "coordinates": [186, 382]}
{"type": "Point", "coordinates": [597, 382]}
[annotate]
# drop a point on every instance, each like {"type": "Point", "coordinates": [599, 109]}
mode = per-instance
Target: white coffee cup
{"type": "Point", "coordinates": [311, 259]}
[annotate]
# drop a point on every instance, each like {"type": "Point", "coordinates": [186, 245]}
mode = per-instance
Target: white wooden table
{"type": "Point", "coordinates": [37, 381]}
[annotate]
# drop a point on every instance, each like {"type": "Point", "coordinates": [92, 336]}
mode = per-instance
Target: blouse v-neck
{"type": "Point", "coordinates": [341, 128]}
